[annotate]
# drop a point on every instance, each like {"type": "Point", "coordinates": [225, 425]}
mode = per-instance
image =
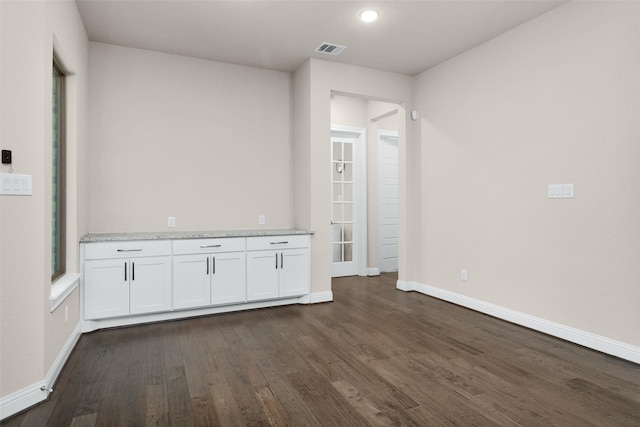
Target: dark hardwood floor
{"type": "Point", "coordinates": [375, 356]}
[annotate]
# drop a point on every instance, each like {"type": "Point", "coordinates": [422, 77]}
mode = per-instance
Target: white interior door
{"type": "Point", "coordinates": [388, 200]}
{"type": "Point", "coordinates": [344, 204]}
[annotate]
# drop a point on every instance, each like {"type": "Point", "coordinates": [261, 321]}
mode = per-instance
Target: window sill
{"type": "Point", "coordinates": [62, 288]}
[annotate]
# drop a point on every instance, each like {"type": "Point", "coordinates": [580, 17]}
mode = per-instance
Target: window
{"type": "Point", "coordinates": [58, 174]}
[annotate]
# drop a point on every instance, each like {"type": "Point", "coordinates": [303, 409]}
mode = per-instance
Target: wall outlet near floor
{"type": "Point", "coordinates": [262, 220]}
{"type": "Point", "coordinates": [171, 221]}
{"type": "Point", "coordinates": [463, 275]}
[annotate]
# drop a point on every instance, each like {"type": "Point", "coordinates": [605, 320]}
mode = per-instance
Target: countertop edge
{"type": "Point", "coordinates": [179, 235]}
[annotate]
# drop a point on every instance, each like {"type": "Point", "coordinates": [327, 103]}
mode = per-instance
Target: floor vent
{"type": "Point", "coordinates": [330, 48]}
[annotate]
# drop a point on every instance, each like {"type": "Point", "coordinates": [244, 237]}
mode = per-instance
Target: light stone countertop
{"type": "Point", "coordinates": [175, 235]}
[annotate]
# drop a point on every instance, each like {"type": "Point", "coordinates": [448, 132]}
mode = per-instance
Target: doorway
{"type": "Point", "coordinates": [356, 246]}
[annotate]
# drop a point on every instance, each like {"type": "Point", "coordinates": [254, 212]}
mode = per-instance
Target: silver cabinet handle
{"type": "Point", "coordinates": [281, 260]}
{"type": "Point", "coordinates": [207, 266]}
{"type": "Point", "coordinates": [210, 246]}
{"type": "Point", "coordinates": [213, 266]}
{"type": "Point", "coordinates": [279, 243]}
{"type": "Point", "coordinates": [276, 260]}
{"type": "Point", "coordinates": [129, 250]}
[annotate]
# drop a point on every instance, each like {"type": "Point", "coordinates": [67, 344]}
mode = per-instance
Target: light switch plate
{"type": "Point", "coordinates": [14, 184]}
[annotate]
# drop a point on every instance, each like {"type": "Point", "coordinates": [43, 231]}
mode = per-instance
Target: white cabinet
{"type": "Point", "coordinates": [191, 281]}
{"type": "Point", "coordinates": [122, 278]}
{"type": "Point", "coordinates": [277, 267]}
{"type": "Point", "coordinates": [106, 291]}
{"type": "Point", "coordinates": [131, 281]}
{"type": "Point", "coordinates": [150, 285]}
{"type": "Point", "coordinates": [263, 275]}
{"type": "Point", "coordinates": [208, 272]}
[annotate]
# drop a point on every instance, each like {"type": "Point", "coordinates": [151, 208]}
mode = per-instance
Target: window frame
{"type": "Point", "coordinates": [59, 191]}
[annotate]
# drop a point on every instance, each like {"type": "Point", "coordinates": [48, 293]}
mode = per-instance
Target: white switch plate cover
{"type": "Point", "coordinates": [463, 275]}
{"type": "Point", "coordinates": [262, 220]}
{"type": "Point", "coordinates": [14, 184]}
{"type": "Point", "coordinates": [171, 221]}
{"type": "Point", "coordinates": [560, 191]}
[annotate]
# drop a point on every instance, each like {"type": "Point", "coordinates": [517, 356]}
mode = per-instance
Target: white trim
{"type": "Point", "coordinates": [319, 297]}
{"type": "Point", "coordinates": [22, 399]}
{"type": "Point", "coordinates": [38, 392]}
{"type": "Point", "coordinates": [568, 333]}
{"type": "Point", "coordinates": [373, 271]}
{"type": "Point", "coordinates": [403, 285]}
{"type": "Point", "coordinates": [64, 354]}
{"type": "Point", "coordinates": [62, 288]}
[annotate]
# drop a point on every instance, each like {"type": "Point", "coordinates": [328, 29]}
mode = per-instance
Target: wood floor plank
{"type": "Point", "coordinates": [88, 420]}
{"type": "Point", "coordinates": [156, 406]}
{"type": "Point", "coordinates": [272, 407]}
{"type": "Point", "coordinates": [374, 356]}
{"type": "Point", "coordinates": [374, 415]}
{"type": "Point", "coordinates": [178, 397]}
{"type": "Point", "coordinates": [325, 401]}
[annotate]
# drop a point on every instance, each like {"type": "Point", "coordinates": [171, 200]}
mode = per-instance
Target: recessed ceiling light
{"type": "Point", "coordinates": [368, 15]}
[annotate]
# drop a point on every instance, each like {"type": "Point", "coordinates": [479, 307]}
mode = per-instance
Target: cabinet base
{"type": "Point", "coordinates": [95, 324]}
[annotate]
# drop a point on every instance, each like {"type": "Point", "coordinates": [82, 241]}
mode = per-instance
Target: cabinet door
{"type": "Point", "coordinates": [106, 289]}
{"type": "Point", "coordinates": [262, 275]}
{"type": "Point", "coordinates": [228, 283]}
{"type": "Point", "coordinates": [150, 284]}
{"type": "Point", "coordinates": [294, 272]}
{"type": "Point", "coordinates": [191, 281]}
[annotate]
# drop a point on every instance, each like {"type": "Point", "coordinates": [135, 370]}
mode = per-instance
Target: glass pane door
{"type": "Point", "coordinates": [342, 197]}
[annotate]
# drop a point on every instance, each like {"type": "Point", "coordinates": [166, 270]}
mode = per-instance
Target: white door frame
{"type": "Point", "coordinates": [381, 135]}
{"type": "Point", "coordinates": [360, 188]}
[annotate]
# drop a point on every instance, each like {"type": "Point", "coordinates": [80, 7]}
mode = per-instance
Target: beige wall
{"type": "Point", "coordinates": [300, 147]}
{"type": "Point", "coordinates": [203, 141]}
{"type": "Point", "coordinates": [348, 111]}
{"type": "Point", "coordinates": [556, 100]}
{"type": "Point", "coordinates": [31, 336]}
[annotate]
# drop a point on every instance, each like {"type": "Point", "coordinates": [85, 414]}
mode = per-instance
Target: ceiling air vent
{"type": "Point", "coordinates": [330, 48]}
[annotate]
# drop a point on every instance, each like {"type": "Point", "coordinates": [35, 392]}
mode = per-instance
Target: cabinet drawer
{"type": "Point", "coordinates": [277, 242]}
{"type": "Point", "coordinates": [198, 246]}
{"type": "Point", "coordinates": [128, 249]}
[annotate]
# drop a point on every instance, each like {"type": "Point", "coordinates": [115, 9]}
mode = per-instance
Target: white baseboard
{"type": "Point", "coordinates": [373, 271]}
{"type": "Point", "coordinates": [404, 285]}
{"type": "Point", "coordinates": [577, 336]}
{"type": "Point", "coordinates": [318, 297]}
{"type": "Point", "coordinates": [38, 392]}
{"type": "Point", "coordinates": [64, 354]}
{"type": "Point", "coordinates": [22, 399]}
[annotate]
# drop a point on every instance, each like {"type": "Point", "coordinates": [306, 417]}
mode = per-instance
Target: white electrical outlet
{"type": "Point", "coordinates": [262, 220]}
{"type": "Point", "coordinates": [463, 275]}
{"type": "Point", "coordinates": [171, 221]}
{"type": "Point", "coordinates": [560, 191]}
{"type": "Point", "coordinates": [66, 314]}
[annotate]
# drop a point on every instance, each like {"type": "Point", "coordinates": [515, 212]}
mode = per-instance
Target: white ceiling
{"type": "Point", "coordinates": [409, 37]}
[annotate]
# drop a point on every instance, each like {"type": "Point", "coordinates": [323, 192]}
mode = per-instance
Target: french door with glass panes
{"type": "Point", "coordinates": [344, 231]}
